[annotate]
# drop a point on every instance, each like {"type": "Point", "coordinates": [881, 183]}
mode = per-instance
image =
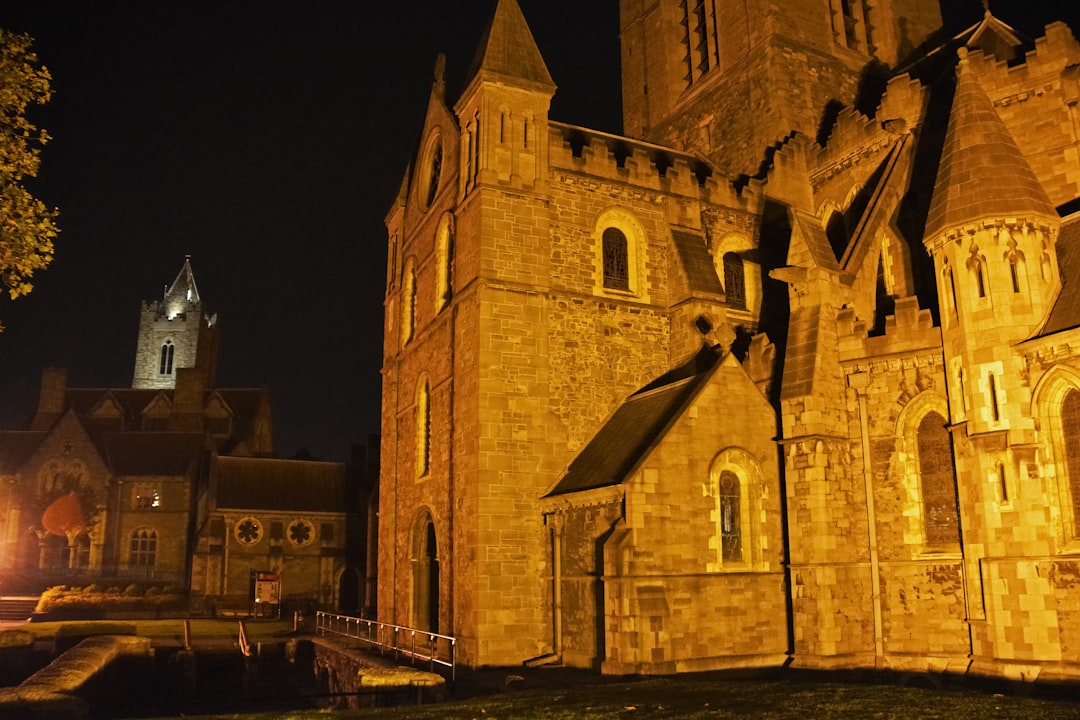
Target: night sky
{"type": "Point", "coordinates": [266, 140]}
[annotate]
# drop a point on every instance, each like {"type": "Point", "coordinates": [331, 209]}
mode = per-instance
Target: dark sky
{"type": "Point", "coordinates": [265, 139]}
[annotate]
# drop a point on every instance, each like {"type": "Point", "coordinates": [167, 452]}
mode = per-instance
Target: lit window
{"type": "Point", "coordinates": [936, 478]}
{"type": "Point", "coordinates": [165, 366]}
{"type": "Point", "coordinates": [143, 553]}
{"type": "Point", "coordinates": [444, 252]}
{"type": "Point", "coordinates": [616, 260]}
{"type": "Point", "coordinates": [423, 428]}
{"type": "Point", "coordinates": [730, 521]}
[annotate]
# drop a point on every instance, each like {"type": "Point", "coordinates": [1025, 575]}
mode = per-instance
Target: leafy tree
{"type": "Point", "coordinates": [27, 226]}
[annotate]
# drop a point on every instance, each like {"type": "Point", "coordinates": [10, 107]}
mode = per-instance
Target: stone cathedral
{"type": "Point", "coordinates": [788, 373]}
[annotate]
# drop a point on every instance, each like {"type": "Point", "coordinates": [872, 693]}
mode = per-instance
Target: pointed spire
{"type": "Point", "coordinates": [508, 48]}
{"type": "Point", "coordinates": [982, 174]}
{"type": "Point", "coordinates": [182, 294]}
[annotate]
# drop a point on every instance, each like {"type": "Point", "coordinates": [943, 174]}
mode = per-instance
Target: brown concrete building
{"type": "Point", "coordinates": [789, 371]}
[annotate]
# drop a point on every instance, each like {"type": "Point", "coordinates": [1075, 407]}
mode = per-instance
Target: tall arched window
{"type": "Point", "coordinates": [1070, 427]}
{"type": "Point", "coordinates": [143, 552]}
{"type": "Point", "coordinates": [165, 367]}
{"type": "Point", "coordinates": [408, 302]}
{"type": "Point", "coordinates": [444, 257]}
{"type": "Point", "coordinates": [425, 558]}
{"type": "Point", "coordinates": [734, 280]}
{"type": "Point", "coordinates": [423, 428]}
{"type": "Point", "coordinates": [730, 517]}
{"type": "Point", "coordinates": [995, 409]}
{"type": "Point", "coordinates": [616, 260]}
{"type": "Point", "coordinates": [936, 481]}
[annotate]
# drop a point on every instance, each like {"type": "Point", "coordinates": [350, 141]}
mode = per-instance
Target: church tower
{"type": "Point", "coordinates": [175, 332]}
{"type": "Point", "coordinates": [728, 79]}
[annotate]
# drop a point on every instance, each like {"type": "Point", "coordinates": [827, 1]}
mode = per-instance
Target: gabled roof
{"type": "Point", "coordinates": [1066, 312]}
{"type": "Point", "coordinates": [508, 50]}
{"type": "Point", "coordinates": [697, 262]}
{"type": "Point", "coordinates": [16, 447]}
{"type": "Point", "coordinates": [982, 173]}
{"type": "Point", "coordinates": [152, 453]}
{"type": "Point", "coordinates": [635, 427]}
{"type": "Point", "coordinates": [270, 484]}
{"type": "Point", "coordinates": [993, 37]}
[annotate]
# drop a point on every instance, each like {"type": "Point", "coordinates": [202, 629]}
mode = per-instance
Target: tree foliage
{"type": "Point", "coordinates": [27, 225]}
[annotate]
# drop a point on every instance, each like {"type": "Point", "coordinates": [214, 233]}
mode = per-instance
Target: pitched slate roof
{"type": "Point", "coordinates": [982, 173]}
{"type": "Point", "coordinates": [508, 48]}
{"type": "Point", "coordinates": [16, 447]}
{"type": "Point", "coordinates": [270, 484]}
{"type": "Point", "coordinates": [697, 262]}
{"type": "Point", "coordinates": [152, 453]}
{"type": "Point", "coordinates": [635, 427]}
{"type": "Point", "coordinates": [1066, 312]}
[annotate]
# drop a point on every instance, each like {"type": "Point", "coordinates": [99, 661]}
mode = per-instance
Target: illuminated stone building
{"type": "Point", "coordinates": [788, 372]}
{"type": "Point", "coordinates": [173, 481]}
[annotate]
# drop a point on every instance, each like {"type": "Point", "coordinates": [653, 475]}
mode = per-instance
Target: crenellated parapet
{"type": "Point", "coordinates": [640, 164]}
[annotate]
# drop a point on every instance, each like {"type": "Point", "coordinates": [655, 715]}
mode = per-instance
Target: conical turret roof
{"type": "Point", "coordinates": [982, 173]}
{"type": "Point", "coordinates": [508, 48]}
{"type": "Point", "coordinates": [183, 292]}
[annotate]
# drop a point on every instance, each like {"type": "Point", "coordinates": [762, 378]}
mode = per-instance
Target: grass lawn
{"type": "Point", "coordinates": [699, 699]}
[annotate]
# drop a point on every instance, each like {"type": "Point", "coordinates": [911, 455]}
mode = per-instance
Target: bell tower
{"type": "Point", "coordinates": [728, 79]}
{"type": "Point", "coordinates": [175, 332]}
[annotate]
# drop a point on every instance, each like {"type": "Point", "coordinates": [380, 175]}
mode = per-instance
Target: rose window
{"type": "Point", "coordinates": [301, 532]}
{"type": "Point", "coordinates": [248, 531]}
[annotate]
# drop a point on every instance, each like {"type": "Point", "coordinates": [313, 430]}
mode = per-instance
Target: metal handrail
{"type": "Point", "coordinates": [402, 640]}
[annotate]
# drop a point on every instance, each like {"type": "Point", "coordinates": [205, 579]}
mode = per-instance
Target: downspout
{"type": "Point", "coordinates": [871, 516]}
{"type": "Point", "coordinates": [451, 630]}
{"type": "Point", "coordinates": [557, 523]}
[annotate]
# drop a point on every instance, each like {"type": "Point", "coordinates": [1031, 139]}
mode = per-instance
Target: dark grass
{"type": "Point", "coordinates": [710, 698]}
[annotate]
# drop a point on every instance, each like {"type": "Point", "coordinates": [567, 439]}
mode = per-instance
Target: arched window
{"type": "Point", "coordinates": [936, 480]}
{"type": "Point", "coordinates": [616, 260]}
{"type": "Point", "coordinates": [1070, 429]}
{"type": "Point", "coordinates": [950, 289]}
{"type": "Point", "coordinates": [80, 552]}
{"type": "Point", "coordinates": [165, 367]}
{"type": "Point", "coordinates": [423, 428]}
{"type": "Point", "coordinates": [730, 516]}
{"type": "Point", "coordinates": [995, 411]}
{"type": "Point", "coordinates": [444, 256]}
{"type": "Point", "coordinates": [734, 280]}
{"type": "Point", "coordinates": [425, 558]}
{"type": "Point", "coordinates": [143, 552]}
{"type": "Point", "coordinates": [1002, 483]}
{"type": "Point", "coordinates": [408, 302]}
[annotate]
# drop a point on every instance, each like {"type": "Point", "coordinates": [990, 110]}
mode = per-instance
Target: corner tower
{"type": "Point", "coordinates": [174, 333]}
{"type": "Point", "coordinates": [728, 79]}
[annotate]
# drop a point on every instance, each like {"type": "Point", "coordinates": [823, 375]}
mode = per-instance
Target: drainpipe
{"type": "Point", "coordinates": [858, 382]}
{"type": "Point", "coordinates": [556, 522]}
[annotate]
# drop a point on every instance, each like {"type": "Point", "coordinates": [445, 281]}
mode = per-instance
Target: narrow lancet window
{"type": "Point", "coordinates": [616, 260]}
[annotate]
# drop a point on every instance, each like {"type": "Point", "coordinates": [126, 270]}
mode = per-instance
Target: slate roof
{"type": "Point", "coordinates": [982, 173]}
{"type": "Point", "coordinates": [1066, 312]}
{"type": "Point", "coordinates": [152, 453]}
{"type": "Point", "coordinates": [635, 427]}
{"type": "Point", "coordinates": [282, 485]}
{"type": "Point", "coordinates": [816, 240]}
{"type": "Point", "coordinates": [697, 262]}
{"type": "Point", "coordinates": [508, 48]}
{"type": "Point", "coordinates": [16, 448]}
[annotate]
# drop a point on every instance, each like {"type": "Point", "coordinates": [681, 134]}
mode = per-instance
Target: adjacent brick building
{"type": "Point", "coordinates": [789, 372]}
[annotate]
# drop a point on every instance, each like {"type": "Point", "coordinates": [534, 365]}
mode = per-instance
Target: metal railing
{"type": "Point", "coordinates": [438, 651]}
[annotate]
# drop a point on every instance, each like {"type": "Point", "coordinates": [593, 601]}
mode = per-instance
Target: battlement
{"type": "Point", "coordinates": [641, 164]}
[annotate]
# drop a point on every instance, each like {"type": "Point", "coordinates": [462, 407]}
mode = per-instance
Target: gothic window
{"type": "Point", "coordinates": [423, 428]}
{"type": "Point", "coordinates": [165, 366]}
{"type": "Point", "coordinates": [616, 260]}
{"type": "Point", "coordinates": [444, 251]}
{"type": "Point", "coordinates": [730, 518]}
{"type": "Point", "coordinates": [1001, 482]}
{"type": "Point", "coordinates": [700, 40]}
{"type": "Point", "coordinates": [950, 289]}
{"type": "Point", "coordinates": [936, 479]}
{"type": "Point", "coordinates": [80, 552]}
{"type": "Point", "coordinates": [143, 550]}
{"type": "Point", "coordinates": [734, 280]}
{"type": "Point", "coordinates": [433, 167]}
{"type": "Point", "coordinates": [976, 263]}
{"type": "Point", "coordinates": [995, 411]}
{"type": "Point", "coordinates": [408, 302]}
{"type": "Point", "coordinates": [248, 531]}
{"type": "Point", "coordinates": [837, 233]}
{"type": "Point", "coordinates": [1070, 427]}
{"type": "Point", "coordinates": [850, 27]}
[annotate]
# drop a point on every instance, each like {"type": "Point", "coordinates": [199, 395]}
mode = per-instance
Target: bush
{"type": "Point", "coordinates": [92, 600]}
